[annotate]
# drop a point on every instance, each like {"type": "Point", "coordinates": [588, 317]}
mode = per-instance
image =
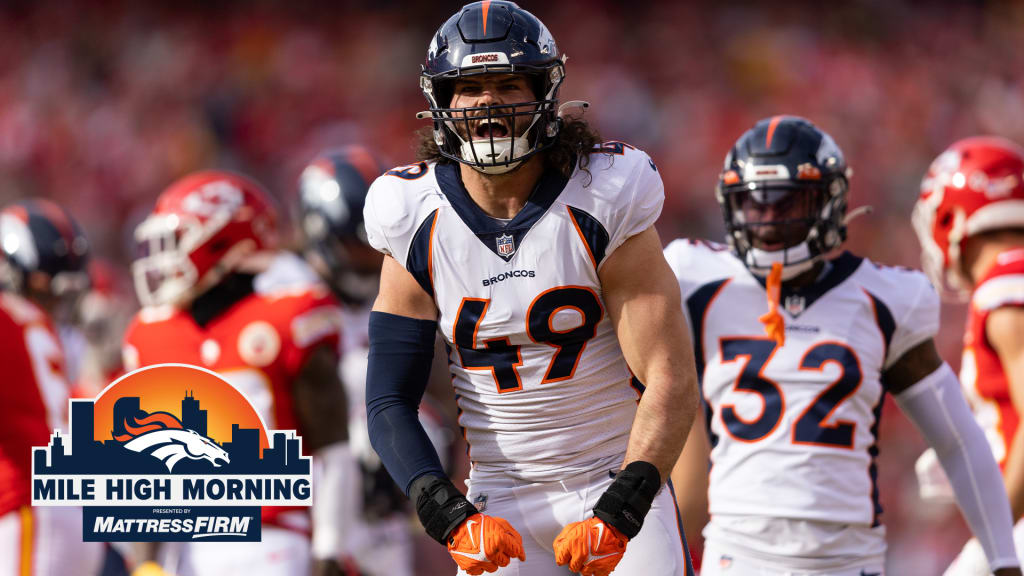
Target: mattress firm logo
{"type": "Point", "coordinates": [170, 452]}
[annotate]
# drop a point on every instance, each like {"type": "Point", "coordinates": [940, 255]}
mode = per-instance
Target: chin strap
{"type": "Point", "coordinates": [774, 324]}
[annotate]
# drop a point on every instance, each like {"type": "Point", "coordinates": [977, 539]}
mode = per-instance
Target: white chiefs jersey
{"type": "Point", "coordinates": [794, 428]}
{"type": "Point", "coordinates": [540, 380]}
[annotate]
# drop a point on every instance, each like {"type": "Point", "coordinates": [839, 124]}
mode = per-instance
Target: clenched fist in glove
{"type": "Point", "coordinates": [591, 547]}
{"type": "Point", "coordinates": [594, 546]}
{"type": "Point", "coordinates": [484, 544]}
{"type": "Point", "coordinates": [476, 542]}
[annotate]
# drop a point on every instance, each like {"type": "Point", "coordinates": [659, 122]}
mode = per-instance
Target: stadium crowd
{"type": "Point", "coordinates": [103, 103]}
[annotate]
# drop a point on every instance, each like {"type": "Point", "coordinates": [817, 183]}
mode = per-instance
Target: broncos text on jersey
{"type": "Point", "coordinates": [540, 380]}
{"type": "Point", "coordinates": [794, 428]}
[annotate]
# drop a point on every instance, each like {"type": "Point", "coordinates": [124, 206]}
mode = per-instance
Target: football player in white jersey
{"type": "Point", "coordinates": [793, 387]}
{"type": "Point", "coordinates": [531, 247]}
{"type": "Point", "coordinates": [378, 536]}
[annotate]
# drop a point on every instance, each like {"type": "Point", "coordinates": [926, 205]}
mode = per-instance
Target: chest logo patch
{"type": "Point", "coordinates": [506, 245]}
{"type": "Point", "coordinates": [795, 305]}
{"type": "Point", "coordinates": [258, 344]}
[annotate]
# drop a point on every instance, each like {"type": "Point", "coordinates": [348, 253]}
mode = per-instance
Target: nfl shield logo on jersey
{"type": "Point", "coordinates": [795, 305]}
{"type": "Point", "coordinates": [506, 246]}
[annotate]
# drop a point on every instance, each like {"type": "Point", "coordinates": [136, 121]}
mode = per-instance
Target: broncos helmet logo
{"type": "Point", "coordinates": [162, 436]}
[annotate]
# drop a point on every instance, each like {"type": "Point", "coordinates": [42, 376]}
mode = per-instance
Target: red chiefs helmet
{"type": "Point", "coordinates": [204, 225]}
{"type": "Point", "coordinates": [975, 186]}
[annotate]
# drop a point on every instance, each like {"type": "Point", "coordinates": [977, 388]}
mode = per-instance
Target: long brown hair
{"type": "Point", "coordinates": [575, 139]}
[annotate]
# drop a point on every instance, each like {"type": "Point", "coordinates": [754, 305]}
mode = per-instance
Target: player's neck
{"type": "Point", "coordinates": [807, 278]}
{"type": "Point", "coordinates": [215, 301]}
{"type": "Point", "coordinates": [503, 195]}
{"type": "Point", "coordinates": [980, 253]}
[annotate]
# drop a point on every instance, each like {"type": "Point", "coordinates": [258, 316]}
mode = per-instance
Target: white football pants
{"type": "Point", "coordinates": [539, 511]}
{"type": "Point", "coordinates": [719, 560]}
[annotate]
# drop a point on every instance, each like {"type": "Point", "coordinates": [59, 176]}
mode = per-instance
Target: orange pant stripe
{"type": "Point", "coordinates": [26, 541]}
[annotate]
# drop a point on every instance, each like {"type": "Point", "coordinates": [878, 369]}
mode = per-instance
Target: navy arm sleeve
{"type": "Point", "coordinates": [401, 351]}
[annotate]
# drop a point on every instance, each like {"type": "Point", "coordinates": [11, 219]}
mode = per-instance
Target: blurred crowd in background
{"type": "Point", "coordinates": [103, 103]}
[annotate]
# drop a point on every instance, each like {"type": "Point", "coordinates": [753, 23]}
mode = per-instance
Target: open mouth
{"type": "Point", "coordinates": [490, 129]}
{"type": "Point", "coordinates": [771, 246]}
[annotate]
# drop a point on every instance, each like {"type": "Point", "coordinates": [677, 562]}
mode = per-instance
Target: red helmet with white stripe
{"type": "Point", "coordinates": [204, 225]}
{"type": "Point", "coordinates": [975, 186]}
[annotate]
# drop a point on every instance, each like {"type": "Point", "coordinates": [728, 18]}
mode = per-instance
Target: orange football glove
{"type": "Point", "coordinates": [484, 544]}
{"type": "Point", "coordinates": [591, 547]}
{"type": "Point", "coordinates": [150, 569]}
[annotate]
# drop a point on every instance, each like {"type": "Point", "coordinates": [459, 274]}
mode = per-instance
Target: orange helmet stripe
{"type": "Point", "coordinates": [486, 6]}
{"type": "Point", "coordinates": [364, 162]}
{"type": "Point", "coordinates": [771, 131]}
{"type": "Point", "coordinates": [59, 219]}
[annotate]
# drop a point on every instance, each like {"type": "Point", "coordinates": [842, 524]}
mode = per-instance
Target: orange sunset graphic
{"type": "Point", "coordinates": [170, 435]}
{"type": "Point", "coordinates": [165, 388]}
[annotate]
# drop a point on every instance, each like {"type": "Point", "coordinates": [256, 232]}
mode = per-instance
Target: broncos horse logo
{"type": "Point", "coordinates": [162, 436]}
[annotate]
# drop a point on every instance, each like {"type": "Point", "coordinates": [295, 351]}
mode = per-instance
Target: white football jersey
{"type": "Point", "coordinates": [794, 428]}
{"type": "Point", "coordinates": [541, 383]}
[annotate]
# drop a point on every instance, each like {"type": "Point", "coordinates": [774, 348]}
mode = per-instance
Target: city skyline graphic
{"type": "Point", "coordinates": [105, 433]}
{"type": "Point", "coordinates": [163, 390]}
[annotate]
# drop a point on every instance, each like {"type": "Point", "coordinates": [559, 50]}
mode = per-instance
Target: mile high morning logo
{"type": "Point", "coordinates": [170, 452]}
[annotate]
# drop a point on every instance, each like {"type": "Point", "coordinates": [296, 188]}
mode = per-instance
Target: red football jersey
{"type": "Point", "coordinates": [259, 345]}
{"type": "Point", "coordinates": [35, 395]}
{"type": "Point", "coordinates": [981, 372]}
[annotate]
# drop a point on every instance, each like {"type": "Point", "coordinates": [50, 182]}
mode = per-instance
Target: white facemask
{"type": "Point", "coordinates": [760, 261]}
{"type": "Point", "coordinates": [499, 154]}
{"type": "Point", "coordinates": [495, 153]}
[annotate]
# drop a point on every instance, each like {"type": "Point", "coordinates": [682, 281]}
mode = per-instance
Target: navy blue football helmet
{"type": "Point", "coordinates": [332, 192]}
{"type": "Point", "coordinates": [43, 253]}
{"type": "Point", "coordinates": [783, 195]}
{"type": "Point", "coordinates": [492, 37]}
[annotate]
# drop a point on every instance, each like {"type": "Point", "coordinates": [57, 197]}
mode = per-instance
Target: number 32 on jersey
{"type": "Point", "coordinates": [502, 357]}
{"type": "Point", "coordinates": [812, 425]}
